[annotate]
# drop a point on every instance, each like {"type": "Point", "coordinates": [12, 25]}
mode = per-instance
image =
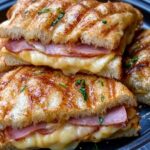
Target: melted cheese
{"type": "Point", "coordinates": [69, 65]}
{"type": "Point", "coordinates": [68, 136]}
{"type": "Point", "coordinates": [65, 137]}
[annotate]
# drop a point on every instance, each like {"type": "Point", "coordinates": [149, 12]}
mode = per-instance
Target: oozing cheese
{"type": "Point", "coordinates": [65, 137]}
{"type": "Point", "coordinates": [68, 136]}
{"type": "Point", "coordinates": [69, 65]}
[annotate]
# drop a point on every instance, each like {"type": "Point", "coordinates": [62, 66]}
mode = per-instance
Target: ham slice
{"type": "Point", "coordinates": [42, 128]}
{"type": "Point", "coordinates": [68, 50]}
{"type": "Point", "coordinates": [117, 115]}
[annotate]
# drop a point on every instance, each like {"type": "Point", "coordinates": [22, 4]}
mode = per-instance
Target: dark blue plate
{"type": "Point", "coordinates": [142, 142]}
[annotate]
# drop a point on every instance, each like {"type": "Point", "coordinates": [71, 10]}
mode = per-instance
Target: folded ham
{"type": "Point", "coordinates": [78, 50]}
{"type": "Point", "coordinates": [114, 117]}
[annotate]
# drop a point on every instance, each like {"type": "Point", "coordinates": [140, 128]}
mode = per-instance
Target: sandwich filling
{"type": "Point", "coordinates": [63, 135]}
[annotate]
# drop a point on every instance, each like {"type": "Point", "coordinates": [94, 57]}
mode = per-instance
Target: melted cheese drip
{"type": "Point", "coordinates": [68, 136]}
{"type": "Point", "coordinates": [69, 65]}
{"type": "Point", "coordinates": [64, 138]}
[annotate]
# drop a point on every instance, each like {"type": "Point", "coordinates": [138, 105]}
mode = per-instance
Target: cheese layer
{"type": "Point", "coordinates": [107, 65]}
{"type": "Point", "coordinates": [69, 135]}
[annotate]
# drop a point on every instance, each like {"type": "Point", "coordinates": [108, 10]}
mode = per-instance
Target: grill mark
{"type": "Point", "coordinates": [20, 11]}
{"type": "Point", "coordinates": [76, 20]}
{"type": "Point", "coordinates": [138, 67]}
{"type": "Point", "coordinates": [143, 47]}
{"type": "Point", "coordinates": [64, 7]}
{"type": "Point", "coordinates": [111, 86]}
{"type": "Point", "coordinates": [10, 106]}
{"type": "Point", "coordinates": [4, 84]}
{"type": "Point", "coordinates": [80, 16]}
{"type": "Point", "coordinates": [32, 14]}
{"type": "Point", "coordinates": [91, 94]}
{"type": "Point", "coordinates": [107, 86]}
{"type": "Point", "coordinates": [70, 102]}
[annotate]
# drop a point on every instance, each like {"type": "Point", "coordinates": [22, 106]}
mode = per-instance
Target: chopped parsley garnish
{"type": "Point", "coordinates": [23, 88]}
{"type": "Point", "coordinates": [60, 16]}
{"type": "Point", "coordinates": [104, 21]}
{"type": "Point", "coordinates": [131, 62]}
{"type": "Point", "coordinates": [63, 85]}
{"type": "Point", "coordinates": [82, 88]}
{"type": "Point", "coordinates": [101, 120]}
{"type": "Point", "coordinates": [44, 10]}
{"type": "Point", "coordinates": [102, 98]}
{"type": "Point", "coordinates": [83, 92]}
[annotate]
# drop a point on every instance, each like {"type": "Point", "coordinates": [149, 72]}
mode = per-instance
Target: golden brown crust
{"type": "Point", "coordinates": [30, 94]}
{"type": "Point", "coordinates": [87, 21]}
{"type": "Point", "coordinates": [138, 73]}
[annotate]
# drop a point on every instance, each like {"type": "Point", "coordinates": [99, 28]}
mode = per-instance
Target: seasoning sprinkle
{"type": "Point", "coordinates": [82, 89]}
{"type": "Point", "coordinates": [131, 62]}
{"type": "Point", "coordinates": [102, 98]}
{"type": "Point", "coordinates": [63, 85]}
{"type": "Point", "coordinates": [101, 120]}
{"type": "Point", "coordinates": [60, 16]}
{"type": "Point", "coordinates": [23, 88]}
{"type": "Point", "coordinates": [44, 10]}
{"type": "Point", "coordinates": [104, 21]}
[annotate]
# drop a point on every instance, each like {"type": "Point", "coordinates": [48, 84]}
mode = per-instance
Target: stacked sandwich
{"type": "Point", "coordinates": [65, 89]}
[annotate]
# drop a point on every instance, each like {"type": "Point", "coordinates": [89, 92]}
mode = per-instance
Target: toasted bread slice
{"type": "Point", "coordinates": [56, 96]}
{"type": "Point", "coordinates": [69, 21]}
{"type": "Point", "coordinates": [138, 67]}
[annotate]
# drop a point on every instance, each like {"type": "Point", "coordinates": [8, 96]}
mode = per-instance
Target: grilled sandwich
{"type": "Point", "coordinates": [71, 35]}
{"type": "Point", "coordinates": [138, 67]}
{"type": "Point", "coordinates": [43, 108]}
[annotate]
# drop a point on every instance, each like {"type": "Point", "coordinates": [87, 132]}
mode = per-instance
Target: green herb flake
{"type": "Point", "coordinates": [78, 82]}
{"type": "Point", "coordinates": [131, 62]}
{"type": "Point", "coordinates": [101, 120]}
{"type": "Point", "coordinates": [104, 21]}
{"type": "Point", "coordinates": [84, 93]}
{"type": "Point", "coordinates": [44, 10]}
{"type": "Point", "coordinates": [63, 85]}
{"type": "Point", "coordinates": [82, 89]}
{"type": "Point", "coordinates": [60, 16]}
{"type": "Point", "coordinates": [23, 88]}
{"type": "Point", "coordinates": [102, 98]}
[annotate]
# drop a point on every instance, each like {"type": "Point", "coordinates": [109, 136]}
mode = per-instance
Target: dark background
{"type": "Point", "coordinates": [139, 143]}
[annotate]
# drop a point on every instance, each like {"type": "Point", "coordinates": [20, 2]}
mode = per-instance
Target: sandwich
{"type": "Point", "coordinates": [43, 108]}
{"type": "Point", "coordinates": [138, 67]}
{"type": "Point", "coordinates": [71, 35]}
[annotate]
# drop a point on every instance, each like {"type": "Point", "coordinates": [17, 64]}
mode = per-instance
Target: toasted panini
{"type": "Point", "coordinates": [40, 104]}
{"type": "Point", "coordinates": [74, 36]}
{"type": "Point", "coordinates": [69, 21]}
{"type": "Point", "coordinates": [138, 67]}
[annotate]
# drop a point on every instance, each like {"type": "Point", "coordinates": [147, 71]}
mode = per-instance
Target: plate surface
{"type": "Point", "coordinates": [141, 142]}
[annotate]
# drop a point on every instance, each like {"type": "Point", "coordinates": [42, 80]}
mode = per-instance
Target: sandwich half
{"type": "Point", "coordinates": [73, 36]}
{"type": "Point", "coordinates": [43, 108]}
{"type": "Point", "coordinates": [138, 67]}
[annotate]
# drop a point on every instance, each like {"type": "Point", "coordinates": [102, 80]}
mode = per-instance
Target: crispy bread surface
{"type": "Point", "coordinates": [70, 21]}
{"type": "Point", "coordinates": [31, 95]}
{"type": "Point", "coordinates": [138, 72]}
